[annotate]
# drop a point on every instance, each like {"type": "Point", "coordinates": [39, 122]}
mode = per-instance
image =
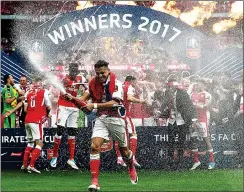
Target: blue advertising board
{"type": "Point", "coordinates": [151, 151]}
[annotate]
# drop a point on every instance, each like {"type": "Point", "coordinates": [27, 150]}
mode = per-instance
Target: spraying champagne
{"type": "Point", "coordinates": [78, 102]}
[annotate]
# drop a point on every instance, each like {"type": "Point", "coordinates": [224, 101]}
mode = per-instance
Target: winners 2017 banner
{"type": "Point", "coordinates": [72, 31]}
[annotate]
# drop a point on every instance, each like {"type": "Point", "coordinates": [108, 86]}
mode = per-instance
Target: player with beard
{"type": "Point", "coordinates": [201, 100]}
{"type": "Point", "coordinates": [10, 96]}
{"type": "Point", "coordinates": [67, 115]}
{"type": "Point", "coordinates": [106, 93]}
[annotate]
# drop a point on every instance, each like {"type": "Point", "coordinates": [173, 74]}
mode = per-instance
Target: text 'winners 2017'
{"type": "Point", "coordinates": [113, 21]}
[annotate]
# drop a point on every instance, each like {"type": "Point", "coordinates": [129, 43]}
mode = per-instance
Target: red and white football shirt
{"type": "Point", "coordinates": [72, 87]}
{"type": "Point", "coordinates": [36, 100]}
{"type": "Point", "coordinates": [128, 90]}
{"type": "Point", "coordinates": [199, 99]}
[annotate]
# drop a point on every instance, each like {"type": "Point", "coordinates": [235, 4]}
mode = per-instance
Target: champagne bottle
{"type": "Point", "coordinates": [78, 102]}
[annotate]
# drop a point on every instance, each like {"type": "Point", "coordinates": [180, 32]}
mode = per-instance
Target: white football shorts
{"type": "Point", "coordinates": [67, 116]}
{"type": "Point", "coordinates": [113, 126]}
{"type": "Point", "coordinates": [34, 131]}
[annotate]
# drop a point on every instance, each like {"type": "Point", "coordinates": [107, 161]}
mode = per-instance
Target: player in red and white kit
{"type": "Point", "coordinates": [201, 100]}
{"type": "Point", "coordinates": [106, 93]}
{"type": "Point", "coordinates": [37, 106]}
{"type": "Point", "coordinates": [129, 93]}
{"type": "Point", "coordinates": [67, 115]}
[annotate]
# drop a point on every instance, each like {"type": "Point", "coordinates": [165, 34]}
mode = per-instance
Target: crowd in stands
{"type": "Point", "coordinates": [227, 97]}
{"type": "Point", "coordinates": [124, 56]}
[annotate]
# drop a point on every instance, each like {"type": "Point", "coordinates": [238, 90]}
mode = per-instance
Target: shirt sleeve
{"type": "Point", "coordinates": [47, 99]}
{"type": "Point", "coordinates": [83, 79]}
{"type": "Point", "coordinates": [208, 97]}
{"type": "Point", "coordinates": [118, 94]}
{"type": "Point", "coordinates": [131, 91]}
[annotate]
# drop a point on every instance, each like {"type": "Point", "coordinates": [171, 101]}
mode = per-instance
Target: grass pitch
{"type": "Point", "coordinates": [54, 181]}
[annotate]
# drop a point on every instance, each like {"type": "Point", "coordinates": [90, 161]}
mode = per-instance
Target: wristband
{"type": "Point", "coordinates": [95, 105]}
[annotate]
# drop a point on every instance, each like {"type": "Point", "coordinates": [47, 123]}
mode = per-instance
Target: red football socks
{"type": "Point", "coordinates": [195, 157]}
{"type": "Point", "coordinates": [57, 141]}
{"type": "Point", "coordinates": [116, 146]}
{"type": "Point", "coordinates": [35, 155]}
{"type": "Point", "coordinates": [71, 143]}
{"type": "Point", "coordinates": [94, 167]}
{"type": "Point", "coordinates": [211, 156]}
{"type": "Point", "coordinates": [28, 150]}
{"type": "Point", "coordinates": [133, 144]}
